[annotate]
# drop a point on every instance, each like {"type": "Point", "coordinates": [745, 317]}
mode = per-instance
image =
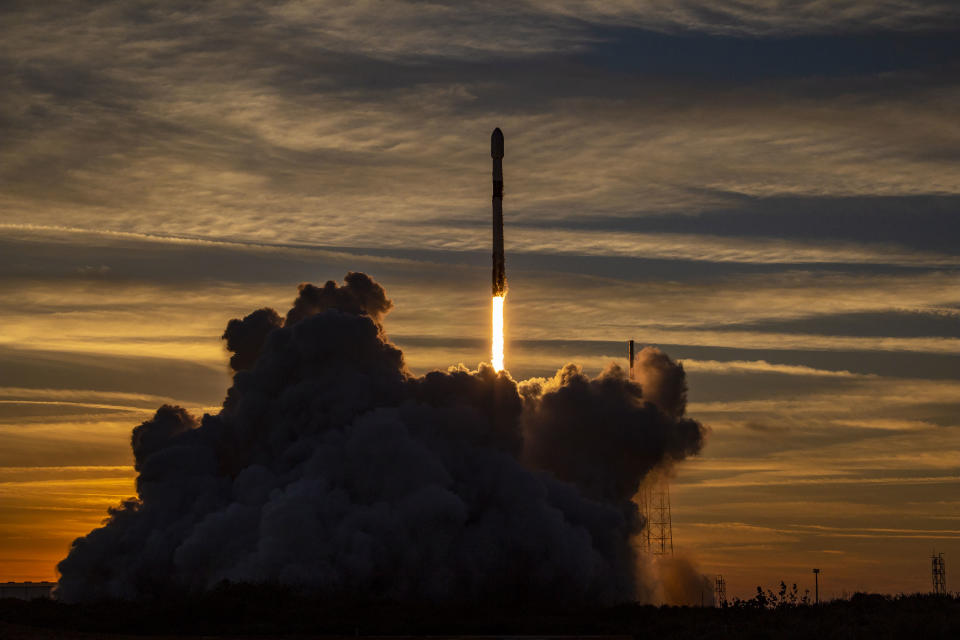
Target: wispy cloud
{"type": "Point", "coordinates": [761, 366]}
{"type": "Point", "coordinates": [756, 17]}
{"type": "Point", "coordinates": [172, 133]}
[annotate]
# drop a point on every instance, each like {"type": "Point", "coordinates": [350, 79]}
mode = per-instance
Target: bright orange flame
{"type": "Point", "coordinates": [496, 356]}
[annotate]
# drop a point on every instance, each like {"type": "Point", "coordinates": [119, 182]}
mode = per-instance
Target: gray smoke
{"type": "Point", "coordinates": [245, 337]}
{"type": "Point", "coordinates": [663, 381]}
{"type": "Point", "coordinates": [676, 580]}
{"type": "Point", "coordinates": [331, 468]}
{"type": "Point", "coordinates": [601, 434]}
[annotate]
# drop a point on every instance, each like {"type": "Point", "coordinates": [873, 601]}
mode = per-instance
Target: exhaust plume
{"type": "Point", "coordinates": [496, 350]}
{"type": "Point", "coordinates": [676, 581]}
{"type": "Point", "coordinates": [333, 469]}
{"type": "Point", "coordinates": [663, 381]}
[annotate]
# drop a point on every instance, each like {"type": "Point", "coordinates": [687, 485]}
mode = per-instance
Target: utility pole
{"type": "Point", "coordinates": [816, 585]}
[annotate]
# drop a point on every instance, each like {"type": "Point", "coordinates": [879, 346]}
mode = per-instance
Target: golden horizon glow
{"type": "Point", "coordinates": [496, 355]}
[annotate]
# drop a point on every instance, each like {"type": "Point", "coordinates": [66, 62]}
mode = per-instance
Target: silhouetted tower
{"type": "Point", "coordinates": [657, 537]}
{"type": "Point", "coordinates": [720, 592]}
{"type": "Point", "coordinates": [939, 570]}
{"type": "Point", "coordinates": [816, 585]}
{"type": "Point", "coordinates": [659, 522]}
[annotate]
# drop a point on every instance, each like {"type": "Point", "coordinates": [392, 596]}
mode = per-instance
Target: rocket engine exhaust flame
{"type": "Point", "coordinates": [496, 354]}
{"type": "Point", "coordinates": [499, 284]}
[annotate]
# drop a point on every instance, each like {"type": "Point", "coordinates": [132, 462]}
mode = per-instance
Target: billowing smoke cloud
{"type": "Point", "coordinates": [360, 295]}
{"type": "Point", "coordinates": [245, 337]}
{"type": "Point", "coordinates": [601, 434]}
{"type": "Point", "coordinates": [332, 468]}
{"type": "Point", "coordinates": [663, 381]}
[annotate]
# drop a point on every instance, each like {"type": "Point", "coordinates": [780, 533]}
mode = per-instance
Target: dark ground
{"type": "Point", "coordinates": [259, 613]}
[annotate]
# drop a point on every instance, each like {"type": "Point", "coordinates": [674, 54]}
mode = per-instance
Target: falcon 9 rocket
{"type": "Point", "coordinates": [499, 267]}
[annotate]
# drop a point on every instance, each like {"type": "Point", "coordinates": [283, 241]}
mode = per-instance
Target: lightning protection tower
{"type": "Point", "coordinates": [939, 571]}
{"type": "Point", "coordinates": [659, 521]}
{"type": "Point", "coordinates": [654, 500]}
{"type": "Point", "coordinates": [720, 592]}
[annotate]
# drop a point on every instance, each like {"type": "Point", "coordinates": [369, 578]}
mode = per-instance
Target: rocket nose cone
{"type": "Point", "coordinates": [496, 143]}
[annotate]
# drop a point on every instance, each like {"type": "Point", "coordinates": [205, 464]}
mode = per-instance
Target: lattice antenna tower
{"type": "Point", "coordinates": [939, 571]}
{"type": "Point", "coordinates": [657, 537]}
{"type": "Point", "coordinates": [720, 591]}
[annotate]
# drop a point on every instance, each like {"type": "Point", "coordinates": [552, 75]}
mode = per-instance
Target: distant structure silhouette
{"type": "Point", "coordinates": [26, 590]}
{"type": "Point", "coordinates": [656, 508]}
{"type": "Point", "coordinates": [816, 586]}
{"type": "Point", "coordinates": [654, 500]}
{"type": "Point", "coordinates": [939, 571]}
{"type": "Point", "coordinates": [720, 591]}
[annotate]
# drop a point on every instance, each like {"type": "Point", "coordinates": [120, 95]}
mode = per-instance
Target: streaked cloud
{"type": "Point", "coordinates": [183, 136]}
{"type": "Point", "coordinates": [758, 17]}
{"type": "Point", "coordinates": [761, 366]}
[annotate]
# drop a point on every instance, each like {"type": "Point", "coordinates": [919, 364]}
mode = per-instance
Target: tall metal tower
{"type": "Point", "coordinates": [654, 501]}
{"type": "Point", "coordinates": [720, 592]}
{"type": "Point", "coordinates": [939, 571]}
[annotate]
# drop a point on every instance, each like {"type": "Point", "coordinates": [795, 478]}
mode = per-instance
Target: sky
{"type": "Point", "coordinates": [768, 191]}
